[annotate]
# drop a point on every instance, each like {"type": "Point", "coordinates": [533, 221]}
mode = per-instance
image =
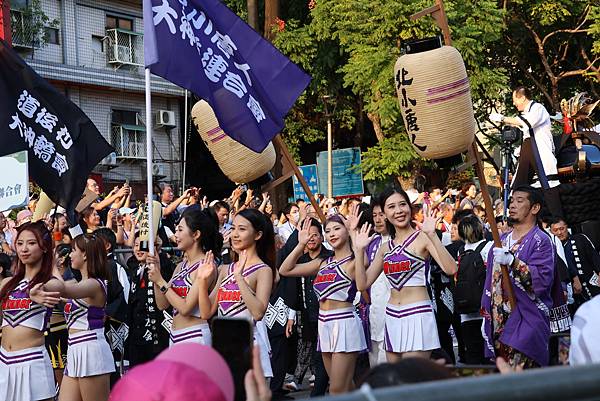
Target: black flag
{"type": "Point", "coordinates": [63, 144]}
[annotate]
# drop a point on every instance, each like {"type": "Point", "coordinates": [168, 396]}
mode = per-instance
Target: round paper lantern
{"type": "Point", "coordinates": [435, 99]}
{"type": "Point", "coordinates": [238, 163]}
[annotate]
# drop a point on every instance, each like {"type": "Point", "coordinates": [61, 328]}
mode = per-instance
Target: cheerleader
{"type": "Point", "coordinates": [89, 358]}
{"type": "Point", "coordinates": [243, 288]}
{"type": "Point", "coordinates": [26, 300]}
{"type": "Point", "coordinates": [196, 234]}
{"type": "Point", "coordinates": [410, 328]}
{"type": "Point", "coordinates": [341, 335]}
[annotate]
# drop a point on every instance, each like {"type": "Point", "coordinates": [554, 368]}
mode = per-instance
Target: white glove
{"type": "Point", "coordinates": [496, 117]}
{"type": "Point", "coordinates": [503, 256]}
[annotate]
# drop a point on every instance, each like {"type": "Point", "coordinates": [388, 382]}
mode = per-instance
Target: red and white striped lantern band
{"type": "Point", "coordinates": [238, 163]}
{"type": "Point", "coordinates": [435, 98]}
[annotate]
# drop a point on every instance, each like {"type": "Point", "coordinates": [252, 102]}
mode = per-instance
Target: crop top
{"type": "Point", "coordinates": [81, 316]}
{"type": "Point", "coordinates": [229, 296]}
{"type": "Point", "coordinates": [403, 268]}
{"type": "Point", "coordinates": [19, 310]}
{"type": "Point", "coordinates": [333, 283]}
{"type": "Point", "coordinates": [182, 284]}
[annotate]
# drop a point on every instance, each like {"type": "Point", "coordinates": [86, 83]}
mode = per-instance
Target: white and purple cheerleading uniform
{"type": "Point", "coordinates": [408, 327]}
{"type": "Point", "coordinates": [340, 330]}
{"type": "Point", "coordinates": [182, 283]}
{"type": "Point", "coordinates": [89, 353]}
{"type": "Point", "coordinates": [25, 374]}
{"type": "Point", "coordinates": [232, 305]}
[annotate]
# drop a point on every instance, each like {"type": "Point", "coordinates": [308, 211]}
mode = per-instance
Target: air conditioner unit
{"type": "Point", "coordinates": [158, 170]}
{"type": "Point", "coordinates": [165, 118]}
{"type": "Point", "coordinates": [110, 160]}
{"type": "Point", "coordinates": [123, 53]}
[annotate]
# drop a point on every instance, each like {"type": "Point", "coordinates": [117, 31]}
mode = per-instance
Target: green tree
{"type": "Point", "coordinates": [351, 46]}
{"type": "Point", "coordinates": [553, 46]}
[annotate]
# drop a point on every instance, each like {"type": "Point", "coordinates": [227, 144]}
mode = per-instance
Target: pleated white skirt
{"type": "Point", "coordinates": [89, 354]}
{"type": "Point", "coordinates": [26, 375]}
{"type": "Point", "coordinates": [340, 330]}
{"type": "Point", "coordinates": [410, 327]}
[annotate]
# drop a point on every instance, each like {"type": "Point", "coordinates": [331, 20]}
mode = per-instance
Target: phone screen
{"type": "Point", "coordinates": [232, 338]}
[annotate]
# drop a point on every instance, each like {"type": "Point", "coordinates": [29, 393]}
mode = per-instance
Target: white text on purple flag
{"type": "Point", "coordinates": [191, 25]}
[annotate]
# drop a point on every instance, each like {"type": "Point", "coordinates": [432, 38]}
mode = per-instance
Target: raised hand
{"type": "Point", "coordinates": [353, 219]}
{"type": "Point", "coordinates": [254, 381]}
{"type": "Point", "coordinates": [361, 238]}
{"type": "Point", "coordinates": [304, 232]}
{"type": "Point", "coordinates": [42, 297]}
{"type": "Point", "coordinates": [430, 222]}
{"type": "Point", "coordinates": [206, 271]}
{"type": "Point", "coordinates": [303, 212]}
{"type": "Point", "coordinates": [239, 266]}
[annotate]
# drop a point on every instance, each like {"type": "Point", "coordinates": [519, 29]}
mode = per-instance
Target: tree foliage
{"type": "Point", "coordinates": [350, 47]}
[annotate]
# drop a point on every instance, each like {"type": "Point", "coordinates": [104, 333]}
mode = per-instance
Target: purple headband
{"type": "Point", "coordinates": [336, 218]}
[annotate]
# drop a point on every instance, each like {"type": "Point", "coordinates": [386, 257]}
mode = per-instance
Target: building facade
{"type": "Point", "coordinates": [92, 51]}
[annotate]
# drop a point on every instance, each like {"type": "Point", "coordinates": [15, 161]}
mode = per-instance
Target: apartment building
{"type": "Point", "coordinates": [93, 52]}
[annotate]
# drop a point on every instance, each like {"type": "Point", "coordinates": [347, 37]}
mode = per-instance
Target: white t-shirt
{"type": "Point", "coordinates": [285, 230]}
{"type": "Point", "coordinates": [537, 115]}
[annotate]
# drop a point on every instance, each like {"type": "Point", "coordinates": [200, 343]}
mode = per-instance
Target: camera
{"type": "Point", "coordinates": [510, 134]}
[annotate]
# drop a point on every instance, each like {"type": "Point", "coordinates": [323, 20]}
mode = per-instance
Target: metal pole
{"type": "Point", "coordinates": [149, 162]}
{"type": "Point", "coordinates": [185, 139]}
{"type": "Point", "coordinates": [329, 155]}
{"type": "Point", "coordinates": [578, 383]}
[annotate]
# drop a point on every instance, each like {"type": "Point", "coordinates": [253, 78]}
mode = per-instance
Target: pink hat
{"type": "Point", "coordinates": [188, 371]}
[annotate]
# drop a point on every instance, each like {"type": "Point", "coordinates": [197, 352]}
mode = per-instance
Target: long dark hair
{"type": "Point", "coordinates": [207, 223]}
{"type": "Point", "coordinates": [94, 248]}
{"type": "Point", "coordinates": [44, 240]}
{"type": "Point", "coordinates": [265, 245]}
{"type": "Point", "coordinates": [383, 197]}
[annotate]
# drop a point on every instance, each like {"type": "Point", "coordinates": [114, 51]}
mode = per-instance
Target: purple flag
{"type": "Point", "coordinates": [203, 46]}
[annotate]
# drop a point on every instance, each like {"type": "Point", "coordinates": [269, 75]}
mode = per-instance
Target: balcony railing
{"type": "Point", "coordinates": [23, 32]}
{"type": "Point", "coordinates": [124, 47]}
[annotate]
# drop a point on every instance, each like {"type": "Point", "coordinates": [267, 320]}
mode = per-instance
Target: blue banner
{"type": "Point", "coordinates": [346, 172]}
{"type": "Point", "coordinates": [206, 48]}
{"type": "Point", "coordinates": [309, 172]}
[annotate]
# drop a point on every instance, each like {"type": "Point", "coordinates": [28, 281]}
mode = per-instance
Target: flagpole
{"type": "Point", "coordinates": [185, 136]}
{"type": "Point", "coordinates": [149, 162]}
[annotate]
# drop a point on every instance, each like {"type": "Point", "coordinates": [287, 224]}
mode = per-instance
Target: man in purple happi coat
{"type": "Point", "coordinates": [520, 335]}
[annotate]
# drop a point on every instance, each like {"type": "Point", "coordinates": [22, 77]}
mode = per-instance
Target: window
{"type": "Point", "coordinates": [22, 29]}
{"type": "Point", "coordinates": [125, 117]}
{"type": "Point", "coordinates": [123, 45]}
{"type": "Point", "coordinates": [113, 22]}
{"type": "Point", "coordinates": [98, 43]}
{"type": "Point", "coordinates": [128, 137]}
{"type": "Point", "coordinates": [52, 35]}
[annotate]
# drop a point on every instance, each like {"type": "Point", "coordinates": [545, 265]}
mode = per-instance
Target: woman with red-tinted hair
{"type": "Point", "coordinates": [26, 301]}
